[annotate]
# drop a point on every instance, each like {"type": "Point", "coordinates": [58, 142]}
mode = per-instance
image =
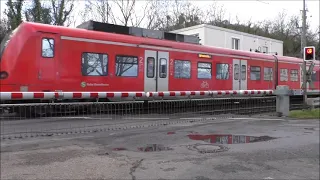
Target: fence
{"type": "Point", "coordinates": [144, 110]}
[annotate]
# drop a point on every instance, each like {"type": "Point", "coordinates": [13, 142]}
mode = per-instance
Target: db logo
{"type": "Point", "coordinates": [83, 84]}
{"type": "Point", "coordinates": [204, 85]}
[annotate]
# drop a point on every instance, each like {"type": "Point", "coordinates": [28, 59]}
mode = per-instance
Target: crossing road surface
{"type": "Point", "coordinates": [221, 148]}
{"type": "Point", "coordinates": [17, 127]}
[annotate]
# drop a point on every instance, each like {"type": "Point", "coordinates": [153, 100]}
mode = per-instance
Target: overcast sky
{"type": "Point", "coordinates": [260, 10]}
{"type": "Point", "coordinates": [256, 10]}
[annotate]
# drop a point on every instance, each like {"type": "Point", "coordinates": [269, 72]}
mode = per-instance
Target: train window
{"type": "Point", "coordinates": [283, 74]}
{"type": "Point", "coordinates": [255, 73]}
{"type": "Point", "coordinates": [204, 70]}
{"type": "Point", "coordinates": [294, 75]}
{"type": "Point", "coordinates": [126, 66]}
{"type": "Point", "coordinates": [243, 72]}
{"type": "Point", "coordinates": [150, 67]}
{"type": "Point", "coordinates": [236, 72]}
{"type": "Point", "coordinates": [222, 71]}
{"type": "Point", "coordinates": [94, 64]}
{"type": "Point", "coordinates": [182, 69]}
{"type": "Point", "coordinates": [268, 74]}
{"type": "Point", "coordinates": [163, 68]}
{"type": "Point", "coordinates": [47, 47]}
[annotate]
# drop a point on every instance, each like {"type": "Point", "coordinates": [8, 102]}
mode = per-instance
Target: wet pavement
{"type": "Point", "coordinates": [229, 148]}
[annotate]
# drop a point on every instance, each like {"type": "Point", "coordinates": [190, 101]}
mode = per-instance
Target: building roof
{"type": "Point", "coordinates": [224, 29]}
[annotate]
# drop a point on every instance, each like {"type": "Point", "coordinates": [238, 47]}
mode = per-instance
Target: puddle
{"type": "Point", "coordinates": [229, 138]}
{"type": "Point", "coordinates": [154, 148]}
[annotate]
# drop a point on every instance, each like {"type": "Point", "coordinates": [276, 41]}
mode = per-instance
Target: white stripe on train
{"type": "Point", "coordinates": [163, 48]}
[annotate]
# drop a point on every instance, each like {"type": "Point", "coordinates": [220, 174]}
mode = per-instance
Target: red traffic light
{"type": "Point", "coordinates": [309, 50]}
{"type": "Point", "coordinates": [309, 53]}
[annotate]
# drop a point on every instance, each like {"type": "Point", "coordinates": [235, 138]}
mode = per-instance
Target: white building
{"type": "Point", "coordinates": [227, 38]}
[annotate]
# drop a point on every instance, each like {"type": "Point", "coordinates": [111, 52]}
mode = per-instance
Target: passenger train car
{"type": "Point", "coordinates": [39, 57]}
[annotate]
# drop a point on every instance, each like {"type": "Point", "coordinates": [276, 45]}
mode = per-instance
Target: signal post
{"type": "Point", "coordinates": [308, 56]}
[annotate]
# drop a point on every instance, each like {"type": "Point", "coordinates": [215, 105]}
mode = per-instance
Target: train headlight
{"type": "Point", "coordinates": [3, 75]}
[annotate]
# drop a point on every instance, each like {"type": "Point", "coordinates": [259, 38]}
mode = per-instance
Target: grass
{"type": "Point", "coordinates": [305, 114]}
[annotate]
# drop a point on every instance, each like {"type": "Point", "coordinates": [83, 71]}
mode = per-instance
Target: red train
{"type": "Point", "coordinates": [39, 57]}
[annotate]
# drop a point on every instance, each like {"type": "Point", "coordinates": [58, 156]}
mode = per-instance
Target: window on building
{"type": "Point", "coordinates": [163, 68]}
{"type": "Point", "coordinates": [294, 75]}
{"type": "Point", "coordinates": [204, 70]}
{"type": "Point", "coordinates": [283, 74]}
{"type": "Point", "coordinates": [150, 67]}
{"type": "Point", "coordinates": [265, 49]}
{"type": "Point", "coordinates": [255, 73]}
{"type": "Point", "coordinates": [126, 66]}
{"type": "Point", "coordinates": [47, 47]}
{"type": "Point", "coordinates": [94, 64]}
{"type": "Point", "coordinates": [268, 74]}
{"type": "Point", "coordinates": [182, 69]}
{"type": "Point", "coordinates": [235, 43]}
{"type": "Point", "coordinates": [222, 71]}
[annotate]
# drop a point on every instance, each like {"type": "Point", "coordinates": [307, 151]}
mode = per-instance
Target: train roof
{"type": "Point", "coordinates": [90, 34]}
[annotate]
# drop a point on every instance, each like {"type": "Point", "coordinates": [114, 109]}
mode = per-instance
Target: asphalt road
{"type": "Point", "coordinates": [177, 150]}
{"type": "Point", "coordinates": [69, 123]}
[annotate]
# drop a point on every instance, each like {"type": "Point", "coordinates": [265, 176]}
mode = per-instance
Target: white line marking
{"type": "Point", "coordinates": [147, 118]}
{"type": "Point", "coordinates": [191, 118]}
{"type": "Point", "coordinates": [268, 178]}
{"type": "Point", "coordinates": [198, 118]}
{"type": "Point", "coordinates": [73, 117]}
{"type": "Point", "coordinates": [256, 119]}
{"type": "Point", "coordinates": [94, 118]}
{"type": "Point", "coordinates": [101, 118]}
{"type": "Point", "coordinates": [28, 141]}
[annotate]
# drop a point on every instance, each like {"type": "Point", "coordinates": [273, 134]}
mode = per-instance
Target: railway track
{"type": "Point", "coordinates": [210, 106]}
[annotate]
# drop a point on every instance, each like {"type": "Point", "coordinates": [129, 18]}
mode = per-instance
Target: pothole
{"type": "Point", "coordinates": [154, 148]}
{"type": "Point", "coordinates": [229, 138]}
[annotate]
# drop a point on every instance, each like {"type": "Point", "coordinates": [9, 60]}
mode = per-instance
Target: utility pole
{"type": "Point", "coordinates": [303, 44]}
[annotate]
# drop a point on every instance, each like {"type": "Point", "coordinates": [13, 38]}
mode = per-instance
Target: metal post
{"type": "Point", "coordinates": [303, 44]}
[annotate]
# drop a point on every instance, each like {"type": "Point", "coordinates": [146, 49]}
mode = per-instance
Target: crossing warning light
{"type": "Point", "coordinates": [309, 53]}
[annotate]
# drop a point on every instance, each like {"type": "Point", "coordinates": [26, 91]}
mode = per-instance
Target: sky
{"type": "Point", "coordinates": [256, 10]}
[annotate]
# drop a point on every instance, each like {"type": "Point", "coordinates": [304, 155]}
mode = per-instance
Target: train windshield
{"type": "Point", "coordinates": [5, 41]}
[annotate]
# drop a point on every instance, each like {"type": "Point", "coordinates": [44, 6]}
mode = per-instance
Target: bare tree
{"type": "Point", "coordinates": [3, 28]}
{"type": "Point", "coordinates": [177, 14]}
{"type": "Point", "coordinates": [98, 10]}
{"type": "Point", "coordinates": [61, 10]}
{"type": "Point", "coordinates": [35, 11]}
{"type": "Point", "coordinates": [215, 14]}
{"type": "Point", "coordinates": [126, 8]}
{"type": "Point", "coordinates": [14, 13]}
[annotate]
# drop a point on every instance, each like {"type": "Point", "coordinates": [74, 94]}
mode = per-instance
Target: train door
{"type": "Point", "coordinates": [156, 71]}
{"type": "Point", "coordinates": [48, 55]}
{"type": "Point", "coordinates": [239, 74]}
